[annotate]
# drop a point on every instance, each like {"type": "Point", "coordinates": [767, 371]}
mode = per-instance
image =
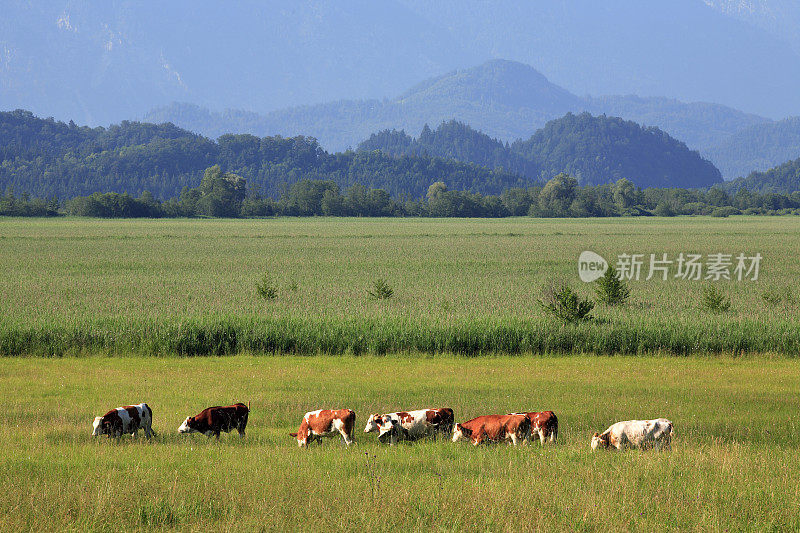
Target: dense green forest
{"type": "Point", "coordinates": [46, 158]}
{"type": "Point", "coordinates": [453, 140]}
{"type": "Point", "coordinates": [600, 149]}
{"type": "Point", "coordinates": [137, 169]}
{"type": "Point", "coordinates": [595, 149]}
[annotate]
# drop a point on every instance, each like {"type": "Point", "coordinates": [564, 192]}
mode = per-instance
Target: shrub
{"type": "Point", "coordinates": [663, 209]}
{"type": "Point", "coordinates": [725, 211]}
{"type": "Point", "coordinates": [714, 301]}
{"type": "Point", "coordinates": [266, 288]}
{"type": "Point", "coordinates": [380, 290]}
{"type": "Point", "coordinates": [610, 289]}
{"type": "Point", "coordinates": [565, 304]}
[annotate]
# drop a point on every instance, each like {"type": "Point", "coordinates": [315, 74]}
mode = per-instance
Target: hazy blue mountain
{"type": "Point", "coordinates": [98, 62]}
{"type": "Point", "coordinates": [758, 148]}
{"type": "Point", "coordinates": [683, 49]}
{"type": "Point", "coordinates": [102, 62]}
{"type": "Point", "coordinates": [700, 125]}
{"type": "Point", "coordinates": [780, 18]}
{"type": "Point", "coordinates": [504, 99]}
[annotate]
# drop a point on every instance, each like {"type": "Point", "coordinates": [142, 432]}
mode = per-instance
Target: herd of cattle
{"type": "Point", "coordinates": [514, 428]}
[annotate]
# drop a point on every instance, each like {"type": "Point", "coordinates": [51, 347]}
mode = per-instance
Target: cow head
{"type": "Point", "coordinates": [97, 426]}
{"type": "Point", "coordinates": [302, 436]}
{"type": "Point", "coordinates": [388, 429]}
{"type": "Point", "coordinates": [372, 423]}
{"type": "Point", "coordinates": [599, 441]}
{"type": "Point", "coordinates": [460, 432]}
{"type": "Point", "coordinates": [186, 427]}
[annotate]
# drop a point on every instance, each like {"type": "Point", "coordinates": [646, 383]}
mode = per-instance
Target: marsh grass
{"type": "Point", "coordinates": [161, 287]}
{"type": "Point", "coordinates": [721, 474]}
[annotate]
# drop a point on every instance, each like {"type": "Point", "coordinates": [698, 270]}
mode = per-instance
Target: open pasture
{"type": "Point", "coordinates": [460, 286]}
{"type": "Point", "coordinates": [733, 465]}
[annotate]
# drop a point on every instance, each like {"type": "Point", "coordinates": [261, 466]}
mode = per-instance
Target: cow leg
{"type": "Point", "coordinates": [241, 433]}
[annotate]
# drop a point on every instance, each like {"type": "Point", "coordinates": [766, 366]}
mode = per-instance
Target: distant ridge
{"type": "Point", "coordinates": [505, 99]}
{"type": "Point", "coordinates": [594, 149]}
{"type": "Point", "coordinates": [758, 147]}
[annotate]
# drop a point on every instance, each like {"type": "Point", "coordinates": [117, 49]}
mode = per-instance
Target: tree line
{"type": "Point", "coordinates": [226, 194]}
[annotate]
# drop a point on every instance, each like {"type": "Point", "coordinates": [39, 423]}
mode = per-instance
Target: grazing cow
{"type": "Point", "coordinates": [326, 423]}
{"type": "Point", "coordinates": [213, 420]}
{"type": "Point", "coordinates": [124, 420]}
{"type": "Point", "coordinates": [513, 428]}
{"type": "Point", "coordinates": [636, 434]}
{"type": "Point", "coordinates": [389, 429]}
{"type": "Point", "coordinates": [544, 424]}
{"type": "Point", "coordinates": [414, 424]}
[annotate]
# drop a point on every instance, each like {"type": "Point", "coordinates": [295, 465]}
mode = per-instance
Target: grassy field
{"type": "Point", "coordinates": [460, 286]}
{"type": "Point", "coordinates": [733, 465]}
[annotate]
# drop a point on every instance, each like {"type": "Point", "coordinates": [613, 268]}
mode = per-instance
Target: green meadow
{"type": "Point", "coordinates": [469, 287]}
{"type": "Point", "coordinates": [733, 465]}
{"type": "Point", "coordinates": [116, 307]}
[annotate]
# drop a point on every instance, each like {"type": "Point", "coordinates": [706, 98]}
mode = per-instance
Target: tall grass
{"type": "Point", "coordinates": [357, 336]}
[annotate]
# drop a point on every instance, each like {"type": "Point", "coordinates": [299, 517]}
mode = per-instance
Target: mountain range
{"type": "Point", "coordinates": [509, 101]}
{"type": "Point", "coordinates": [102, 62]}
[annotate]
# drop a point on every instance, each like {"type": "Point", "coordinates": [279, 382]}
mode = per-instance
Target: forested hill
{"type": "Point", "coordinates": [780, 180]}
{"type": "Point", "coordinates": [601, 149]}
{"type": "Point", "coordinates": [453, 140]}
{"type": "Point", "coordinates": [45, 158]}
{"type": "Point", "coordinates": [594, 149]}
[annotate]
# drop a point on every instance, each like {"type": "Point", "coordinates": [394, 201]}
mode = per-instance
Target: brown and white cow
{"type": "Point", "coordinates": [544, 424]}
{"type": "Point", "coordinates": [213, 420]}
{"type": "Point", "coordinates": [124, 420]}
{"type": "Point", "coordinates": [512, 428]}
{"type": "Point", "coordinates": [412, 424]}
{"type": "Point", "coordinates": [326, 423]}
{"type": "Point", "coordinates": [656, 433]}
